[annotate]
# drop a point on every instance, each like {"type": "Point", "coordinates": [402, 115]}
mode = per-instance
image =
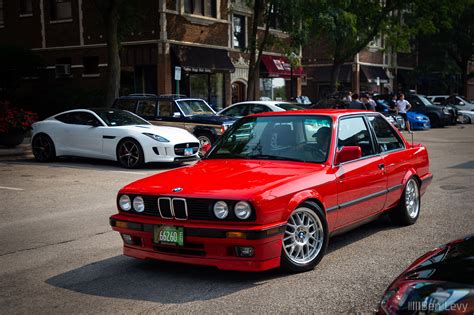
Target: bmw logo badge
{"type": "Point", "coordinates": [177, 189]}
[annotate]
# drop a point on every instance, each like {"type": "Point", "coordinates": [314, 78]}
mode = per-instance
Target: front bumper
{"type": "Point", "coordinates": [210, 245]}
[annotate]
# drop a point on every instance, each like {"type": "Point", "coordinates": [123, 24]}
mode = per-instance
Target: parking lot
{"type": "Point", "coordinates": [58, 253]}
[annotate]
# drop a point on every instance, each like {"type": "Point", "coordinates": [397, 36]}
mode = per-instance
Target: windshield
{"type": "Point", "coordinates": [425, 100]}
{"type": "Point", "coordinates": [195, 107]}
{"type": "Point", "coordinates": [116, 117]}
{"type": "Point", "coordinates": [292, 138]}
{"type": "Point", "coordinates": [287, 106]}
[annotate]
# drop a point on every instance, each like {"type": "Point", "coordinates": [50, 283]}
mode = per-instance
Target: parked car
{"type": "Point", "coordinates": [273, 190]}
{"type": "Point", "coordinates": [466, 117]}
{"type": "Point", "coordinates": [242, 109]}
{"type": "Point", "coordinates": [438, 116]}
{"type": "Point", "coordinates": [418, 121]}
{"type": "Point", "coordinates": [454, 100]}
{"type": "Point", "coordinates": [110, 134]}
{"type": "Point", "coordinates": [192, 114]}
{"type": "Point", "coordinates": [439, 282]}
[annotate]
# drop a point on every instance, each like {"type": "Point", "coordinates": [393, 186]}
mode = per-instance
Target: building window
{"type": "Point", "coordinates": [63, 68]}
{"type": "Point", "coordinates": [91, 65]}
{"type": "Point", "coordinates": [61, 10]}
{"type": "Point", "coordinates": [239, 31]}
{"type": "Point", "coordinates": [172, 5]}
{"type": "Point", "coordinates": [201, 7]}
{"type": "Point", "coordinates": [26, 7]}
{"type": "Point", "coordinates": [2, 21]}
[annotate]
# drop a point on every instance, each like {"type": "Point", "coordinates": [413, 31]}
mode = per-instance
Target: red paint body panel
{"type": "Point", "coordinates": [348, 193]}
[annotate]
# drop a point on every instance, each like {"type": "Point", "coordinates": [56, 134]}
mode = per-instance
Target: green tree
{"type": "Point", "coordinates": [119, 17]}
{"type": "Point", "coordinates": [292, 17]}
{"type": "Point", "coordinates": [348, 26]}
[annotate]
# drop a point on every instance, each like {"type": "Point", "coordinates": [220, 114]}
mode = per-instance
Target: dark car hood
{"type": "Point", "coordinates": [444, 275]}
{"type": "Point", "coordinates": [223, 178]}
{"type": "Point", "coordinates": [212, 119]}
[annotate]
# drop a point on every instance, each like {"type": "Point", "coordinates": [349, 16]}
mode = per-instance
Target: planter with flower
{"type": "Point", "coordinates": [14, 123]}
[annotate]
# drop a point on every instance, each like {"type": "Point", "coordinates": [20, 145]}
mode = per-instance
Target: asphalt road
{"type": "Point", "coordinates": [59, 255]}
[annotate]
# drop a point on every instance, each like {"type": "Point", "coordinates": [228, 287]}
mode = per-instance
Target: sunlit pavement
{"type": "Point", "coordinates": [58, 254]}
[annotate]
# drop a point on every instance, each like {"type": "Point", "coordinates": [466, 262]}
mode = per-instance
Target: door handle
{"type": "Point", "coordinates": [381, 166]}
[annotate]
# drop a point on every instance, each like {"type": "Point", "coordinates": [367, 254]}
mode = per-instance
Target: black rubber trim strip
{"type": "Point", "coordinates": [109, 137]}
{"type": "Point", "coordinates": [365, 198]}
{"type": "Point", "coordinates": [208, 233]}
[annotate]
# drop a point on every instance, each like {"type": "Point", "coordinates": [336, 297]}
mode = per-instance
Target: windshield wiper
{"type": "Point", "coordinates": [273, 157]}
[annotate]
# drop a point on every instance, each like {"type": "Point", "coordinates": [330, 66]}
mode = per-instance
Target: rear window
{"type": "Point", "coordinates": [128, 105]}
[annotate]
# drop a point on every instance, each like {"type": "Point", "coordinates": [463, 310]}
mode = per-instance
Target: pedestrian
{"type": "Point", "coordinates": [403, 106]}
{"type": "Point", "coordinates": [356, 104]}
{"type": "Point", "coordinates": [368, 102]}
{"type": "Point", "coordinates": [347, 97]}
{"type": "Point", "coordinates": [392, 105]}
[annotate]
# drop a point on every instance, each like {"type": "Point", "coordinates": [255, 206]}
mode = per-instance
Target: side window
{"type": "Point", "coordinates": [65, 118]}
{"type": "Point", "coordinates": [258, 108]}
{"type": "Point", "coordinates": [386, 136]}
{"type": "Point", "coordinates": [126, 105]}
{"type": "Point", "coordinates": [354, 132]}
{"type": "Point", "coordinates": [438, 100]}
{"type": "Point", "coordinates": [86, 119]}
{"type": "Point", "coordinates": [235, 111]}
{"type": "Point", "coordinates": [146, 108]}
{"type": "Point", "coordinates": [167, 108]}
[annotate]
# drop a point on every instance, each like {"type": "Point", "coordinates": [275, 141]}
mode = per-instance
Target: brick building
{"type": "Point", "coordinates": [205, 38]}
{"type": "Point", "coordinates": [374, 69]}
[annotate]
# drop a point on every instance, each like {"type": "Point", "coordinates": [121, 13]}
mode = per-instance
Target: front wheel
{"type": "Point", "coordinates": [305, 239]}
{"type": "Point", "coordinates": [43, 148]}
{"type": "Point", "coordinates": [130, 154]}
{"type": "Point", "coordinates": [408, 208]}
{"type": "Point", "coordinates": [204, 139]}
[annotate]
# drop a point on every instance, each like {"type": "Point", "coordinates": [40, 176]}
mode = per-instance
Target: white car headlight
{"type": "Point", "coordinates": [138, 204]}
{"type": "Point", "coordinates": [124, 203]}
{"type": "Point", "coordinates": [242, 210]}
{"type": "Point", "coordinates": [221, 210]}
{"type": "Point", "coordinates": [156, 137]}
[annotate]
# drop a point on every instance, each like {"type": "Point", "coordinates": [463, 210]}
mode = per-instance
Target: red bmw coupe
{"type": "Point", "coordinates": [273, 190]}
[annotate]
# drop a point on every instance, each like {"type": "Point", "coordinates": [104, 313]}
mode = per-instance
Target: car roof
{"type": "Point", "coordinates": [335, 113]}
{"type": "Point", "coordinates": [262, 102]}
{"type": "Point", "coordinates": [155, 97]}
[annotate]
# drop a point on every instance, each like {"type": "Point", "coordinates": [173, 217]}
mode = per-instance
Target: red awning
{"type": "Point", "coordinates": [279, 67]}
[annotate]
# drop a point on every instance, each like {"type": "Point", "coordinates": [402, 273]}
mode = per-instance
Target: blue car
{"type": "Point", "coordinates": [418, 121]}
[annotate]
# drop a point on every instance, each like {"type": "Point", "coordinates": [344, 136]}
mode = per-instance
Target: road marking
{"type": "Point", "coordinates": [11, 188]}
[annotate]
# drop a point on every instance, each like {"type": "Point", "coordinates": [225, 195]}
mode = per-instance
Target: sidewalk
{"type": "Point", "coordinates": [21, 151]}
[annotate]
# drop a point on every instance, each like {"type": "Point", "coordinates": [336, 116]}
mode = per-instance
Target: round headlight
{"type": "Point", "coordinates": [221, 210]}
{"type": "Point", "coordinates": [124, 203]}
{"type": "Point", "coordinates": [242, 210]}
{"type": "Point", "coordinates": [138, 204]}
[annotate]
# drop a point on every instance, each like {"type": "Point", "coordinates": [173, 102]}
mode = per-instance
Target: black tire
{"type": "Point", "coordinates": [465, 120]}
{"type": "Point", "coordinates": [402, 214]}
{"type": "Point", "coordinates": [434, 121]}
{"type": "Point", "coordinates": [43, 148]}
{"type": "Point", "coordinates": [292, 264]}
{"type": "Point", "coordinates": [130, 154]}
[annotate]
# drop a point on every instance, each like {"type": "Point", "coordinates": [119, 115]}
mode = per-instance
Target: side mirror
{"type": "Point", "coordinates": [176, 115]}
{"type": "Point", "coordinates": [205, 148]}
{"type": "Point", "coordinates": [349, 153]}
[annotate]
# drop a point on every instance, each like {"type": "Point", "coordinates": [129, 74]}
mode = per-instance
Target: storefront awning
{"type": "Point", "coordinates": [372, 73]}
{"type": "Point", "coordinates": [199, 59]}
{"type": "Point", "coordinates": [279, 67]}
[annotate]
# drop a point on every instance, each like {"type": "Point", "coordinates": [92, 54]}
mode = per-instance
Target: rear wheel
{"type": "Point", "coordinates": [130, 154]}
{"type": "Point", "coordinates": [408, 208]}
{"type": "Point", "coordinates": [465, 119]}
{"type": "Point", "coordinates": [305, 239]}
{"type": "Point", "coordinates": [43, 148]}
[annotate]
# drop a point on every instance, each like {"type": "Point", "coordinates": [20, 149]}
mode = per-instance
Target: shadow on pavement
{"type": "Point", "coordinates": [128, 278]}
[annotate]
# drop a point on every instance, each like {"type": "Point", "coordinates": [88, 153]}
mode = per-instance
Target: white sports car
{"type": "Point", "coordinates": [111, 134]}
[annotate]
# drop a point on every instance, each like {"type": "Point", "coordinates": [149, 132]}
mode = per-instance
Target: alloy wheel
{"type": "Point", "coordinates": [42, 148]}
{"type": "Point", "coordinates": [129, 154]}
{"type": "Point", "coordinates": [304, 236]}
{"type": "Point", "coordinates": [412, 198]}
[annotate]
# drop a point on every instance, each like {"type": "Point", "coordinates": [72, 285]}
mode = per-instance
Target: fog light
{"type": "Point", "coordinates": [244, 251]}
{"type": "Point", "coordinates": [127, 239]}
